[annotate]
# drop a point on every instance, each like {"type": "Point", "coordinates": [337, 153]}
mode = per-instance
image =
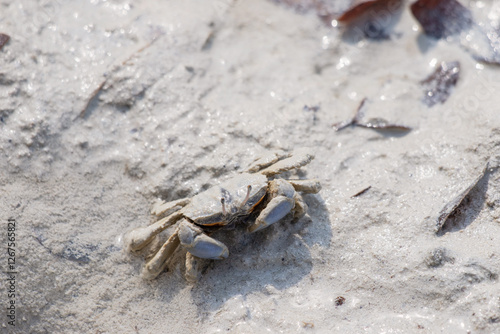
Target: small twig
{"type": "Point", "coordinates": [353, 121]}
{"type": "Point", "coordinates": [92, 97]}
{"type": "Point", "coordinates": [146, 46]}
{"type": "Point", "coordinates": [361, 192]}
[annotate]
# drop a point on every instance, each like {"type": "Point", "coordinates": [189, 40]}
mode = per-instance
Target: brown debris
{"type": "Point", "coordinates": [361, 192]}
{"type": "Point", "coordinates": [339, 301]}
{"type": "Point", "coordinates": [438, 85]}
{"type": "Point", "coordinates": [307, 324]}
{"type": "Point", "coordinates": [3, 39]}
{"type": "Point", "coordinates": [370, 19]}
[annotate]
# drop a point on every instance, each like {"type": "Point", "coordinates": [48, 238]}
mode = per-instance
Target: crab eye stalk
{"type": "Point", "coordinates": [223, 206]}
{"type": "Point", "coordinates": [249, 189]}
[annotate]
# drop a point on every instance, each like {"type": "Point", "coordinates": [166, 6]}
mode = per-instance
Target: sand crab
{"type": "Point", "coordinates": [254, 191]}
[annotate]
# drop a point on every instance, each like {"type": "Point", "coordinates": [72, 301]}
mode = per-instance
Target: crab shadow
{"type": "Point", "coordinates": [277, 256]}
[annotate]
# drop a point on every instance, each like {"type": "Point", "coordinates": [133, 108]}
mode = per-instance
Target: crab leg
{"type": "Point", "coordinates": [140, 237]}
{"type": "Point", "coordinates": [161, 207]}
{"type": "Point", "coordinates": [158, 263]}
{"type": "Point", "coordinates": [298, 159]}
{"type": "Point", "coordinates": [300, 208]}
{"type": "Point", "coordinates": [265, 161]}
{"type": "Point", "coordinates": [194, 267]}
{"type": "Point", "coordinates": [306, 186]}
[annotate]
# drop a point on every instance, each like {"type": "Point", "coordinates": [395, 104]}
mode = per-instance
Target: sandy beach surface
{"type": "Point", "coordinates": [106, 106]}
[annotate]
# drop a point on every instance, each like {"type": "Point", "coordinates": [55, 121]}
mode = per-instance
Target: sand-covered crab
{"type": "Point", "coordinates": [253, 192]}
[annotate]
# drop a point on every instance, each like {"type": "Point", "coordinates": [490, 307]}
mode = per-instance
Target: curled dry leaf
{"type": "Point", "coordinates": [362, 18]}
{"type": "Point", "coordinates": [372, 123]}
{"type": "Point", "coordinates": [438, 85]}
{"type": "Point", "coordinates": [452, 206]}
{"type": "Point", "coordinates": [441, 18]}
{"type": "Point", "coordinates": [3, 39]}
{"type": "Point", "coordinates": [448, 18]}
{"type": "Point", "coordinates": [361, 8]}
{"type": "Point", "coordinates": [372, 19]}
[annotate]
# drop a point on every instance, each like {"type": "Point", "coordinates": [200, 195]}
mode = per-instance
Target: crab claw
{"type": "Point", "coordinates": [199, 244]}
{"type": "Point", "coordinates": [278, 208]}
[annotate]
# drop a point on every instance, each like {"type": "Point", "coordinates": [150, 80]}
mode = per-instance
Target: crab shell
{"type": "Point", "coordinates": [205, 209]}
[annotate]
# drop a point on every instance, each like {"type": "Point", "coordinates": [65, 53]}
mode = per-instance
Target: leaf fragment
{"type": "Point", "coordinates": [441, 18]}
{"type": "Point", "coordinates": [451, 20]}
{"type": "Point", "coordinates": [372, 123]}
{"type": "Point", "coordinates": [359, 9]}
{"type": "Point", "coordinates": [438, 85]}
{"type": "Point", "coordinates": [452, 206]}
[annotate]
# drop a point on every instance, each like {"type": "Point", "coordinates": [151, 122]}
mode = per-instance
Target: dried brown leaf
{"type": "Point", "coordinates": [359, 9]}
{"type": "Point", "coordinates": [371, 19]}
{"type": "Point", "coordinates": [372, 123]}
{"type": "Point", "coordinates": [368, 18]}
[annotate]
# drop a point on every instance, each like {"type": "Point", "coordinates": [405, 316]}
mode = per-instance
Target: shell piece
{"type": "Point", "coordinates": [206, 208]}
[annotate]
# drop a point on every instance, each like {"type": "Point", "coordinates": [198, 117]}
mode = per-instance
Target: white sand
{"type": "Point", "coordinates": [182, 114]}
